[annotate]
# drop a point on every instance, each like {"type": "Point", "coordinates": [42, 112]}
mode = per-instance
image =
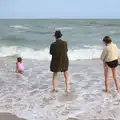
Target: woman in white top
{"type": "Point", "coordinates": [109, 57]}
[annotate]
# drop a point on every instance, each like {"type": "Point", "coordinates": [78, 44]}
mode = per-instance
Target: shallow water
{"type": "Point", "coordinates": [29, 95]}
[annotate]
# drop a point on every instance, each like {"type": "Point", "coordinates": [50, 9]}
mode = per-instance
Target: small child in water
{"type": "Point", "coordinates": [19, 65]}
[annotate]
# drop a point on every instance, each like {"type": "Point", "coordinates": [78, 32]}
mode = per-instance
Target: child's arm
{"type": "Point", "coordinates": [16, 67]}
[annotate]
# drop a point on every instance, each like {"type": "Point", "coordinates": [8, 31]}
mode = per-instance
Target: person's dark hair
{"type": "Point", "coordinates": [107, 40]}
{"type": "Point", "coordinates": [19, 59]}
{"type": "Point", "coordinates": [58, 34]}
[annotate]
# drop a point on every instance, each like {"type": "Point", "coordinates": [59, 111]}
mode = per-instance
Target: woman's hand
{"type": "Point", "coordinates": [104, 64]}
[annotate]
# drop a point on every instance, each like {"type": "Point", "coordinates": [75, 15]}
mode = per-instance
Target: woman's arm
{"type": "Point", "coordinates": [103, 55]}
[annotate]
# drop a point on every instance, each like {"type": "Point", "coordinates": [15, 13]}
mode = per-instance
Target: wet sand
{"type": "Point", "coordinates": [8, 116]}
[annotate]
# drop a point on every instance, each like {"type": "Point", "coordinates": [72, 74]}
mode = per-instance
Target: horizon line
{"type": "Point", "coordinates": [56, 18]}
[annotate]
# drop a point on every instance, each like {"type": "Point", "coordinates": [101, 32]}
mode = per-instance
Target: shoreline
{"type": "Point", "coordinates": [9, 116]}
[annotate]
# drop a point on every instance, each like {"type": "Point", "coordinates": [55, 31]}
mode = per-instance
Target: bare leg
{"type": "Point", "coordinates": [54, 81]}
{"type": "Point", "coordinates": [115, 77]}
{"type": "Point", "coordinates": [21, 72]}
{"type": "Point", "coordinates": [107, 81]}
{"type": "Point", "coordinates": [67, 81]}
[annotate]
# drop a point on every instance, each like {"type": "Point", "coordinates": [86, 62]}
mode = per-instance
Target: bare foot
{"type": "Point", "coordinates": [107, 91]}
{"type": "Point", "coordinates": [118, 89]}
{"type": "Point", "coordinates": [54, 90]}
{"type": "Point", "coordinates": [67, 90]}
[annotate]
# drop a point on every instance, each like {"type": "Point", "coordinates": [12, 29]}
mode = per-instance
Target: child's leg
{"type": "Point", "coordinates": [20, 71]}
{"type": "Point", "coordinates": [54, 81]}
{"type": "Point", "coordinates": [107, 81]}
{"type": "Point", "coordinates": [67, 81]}
{"type": "Point", "coordinates": [115, 77]}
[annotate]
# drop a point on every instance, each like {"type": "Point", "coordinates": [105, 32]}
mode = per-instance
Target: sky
{"type": "Point", "coordinates": [59, 9]}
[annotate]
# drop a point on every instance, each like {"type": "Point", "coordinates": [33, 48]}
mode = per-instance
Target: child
{"type": "Point", "coordinates": [19, 65]}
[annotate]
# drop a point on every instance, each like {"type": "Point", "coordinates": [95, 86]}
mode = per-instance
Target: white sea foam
{"type": "Point", "coordinates": [88, 52]}
{"type": "Point", "coordinates": [31, 97]}
{"type": "Point", "coordinates": [63, 28]}
{"type": "Point", "coordinates": [20, 27]}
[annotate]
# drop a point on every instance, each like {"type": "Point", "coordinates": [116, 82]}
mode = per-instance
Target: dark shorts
{"type": "Point", "coordinates": [112, 64]}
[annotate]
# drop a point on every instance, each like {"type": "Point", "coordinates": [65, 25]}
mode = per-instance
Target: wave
{"type": "Point", "coordinates": [63, 28]}
{"type": "Point", "coordinates": [43, 54]}
{"type": "Point", "coordinates": [39, 32]}
{"type": "Point", "coordinates": [20, 27]}
{"type": "Point", "coordinates": [12, 38]}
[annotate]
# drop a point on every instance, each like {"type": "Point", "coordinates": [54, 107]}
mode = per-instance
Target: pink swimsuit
{"type": "Point", "coordinates": [20, 67]}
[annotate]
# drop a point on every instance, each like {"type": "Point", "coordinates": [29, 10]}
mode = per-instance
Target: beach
{"type": "Point", "coordinates": [8, 116]}
{"type": "Point", "coordinates": [31, 93]}
{"type": "Point", "coordinates": [29, 96]}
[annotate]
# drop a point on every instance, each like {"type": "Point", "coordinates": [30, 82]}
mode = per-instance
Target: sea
{"type": "Point", "coordinates": [30, 95]}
